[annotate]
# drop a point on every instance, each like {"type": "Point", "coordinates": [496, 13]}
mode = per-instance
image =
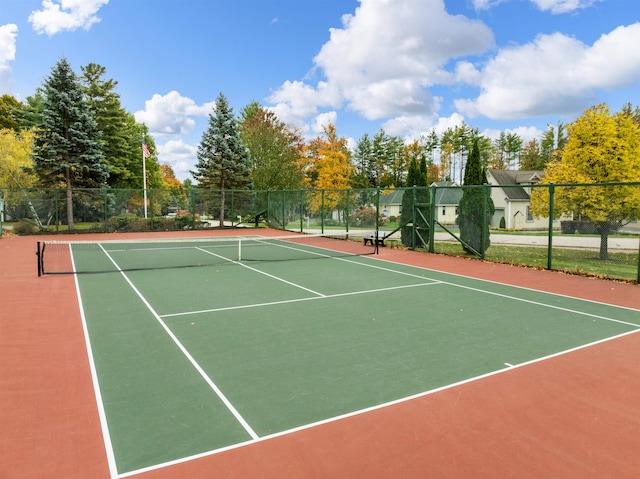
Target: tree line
{"type": "Point", "coordinates": [73, 132]}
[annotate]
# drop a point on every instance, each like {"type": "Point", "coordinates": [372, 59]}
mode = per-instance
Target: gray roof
{"type": "Point", "coordinates": [447, 193]}
{"type": "Point", "coordinates": [393, 198]}
{"type": "Point", "coordinates": [512, 181]}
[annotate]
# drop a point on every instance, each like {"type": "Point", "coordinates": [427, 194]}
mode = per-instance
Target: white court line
{"type": "Point", "coordinates": [329, 420]}
{"type": "Point", "coordinates": [502, 295]}
{"type": "Point", "coordinates": [262, 272]}
{"type": "Point", "coordinates": [106, 437]}
{"type": "Point", "coordinates": [313, 298]}
{"type": "Point", "coordinates": [457, 275]}
{"type": "Point", "coordinates": [538, 303]}
{"type": "Point", "coordinates": [515, 298]}
{"type": "Point", "coordinates": [370, 409]}
{"type": "Point", "coordinates": [191, 359]}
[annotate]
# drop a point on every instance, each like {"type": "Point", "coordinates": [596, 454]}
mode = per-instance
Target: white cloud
{"type": "Point", "coordinates": [553, 6]}
{"type": "Point", "coordinates": [382, 61]}
{"type": "Point", "coordinates": [172, 114]}
{"type": "Point", "coordinates": [61, 15]}
{"type": "Point", "coordinates": [486, 4]}
{"type": "Point", "coordinates": [409, 126]}
{"type": "Point", "coordinates": [8, 35]}
{"type": "Point", "coordinates": [324, 119]}
{"type": "Point", "coordinates": [296, 101]}
{"type": "Point", "coordinates": [562, 6]}
{"type": "Point", "coordinates": [555, 75]}
{"type": "Point", "coordinates": [445, 123]}
{"type": "Point", "coordinates": [527, 133]}
{"type": "Point", "coordinates": [467, 73]}
{"type": "Point", "coordinates": [180, 156]}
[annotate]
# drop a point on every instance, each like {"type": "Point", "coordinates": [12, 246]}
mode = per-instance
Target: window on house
{"type": "Point", "coordinates": [444, 210]}
{"type": "Point", "coordinates": [529, 215]}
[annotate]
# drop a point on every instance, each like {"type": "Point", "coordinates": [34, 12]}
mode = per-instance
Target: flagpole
{"type": "Point", "coordinates": [144, 176]}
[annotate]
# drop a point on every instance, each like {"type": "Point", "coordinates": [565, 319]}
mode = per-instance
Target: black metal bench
{"type": "Point", "coordinates": [379, 240]}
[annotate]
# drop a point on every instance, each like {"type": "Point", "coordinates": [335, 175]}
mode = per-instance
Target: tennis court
{"type": "Point", "coordinates": [204, 346]}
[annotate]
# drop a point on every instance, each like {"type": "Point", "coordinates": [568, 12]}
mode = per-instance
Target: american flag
{"type": "Point", "coordinates": [145, 150]}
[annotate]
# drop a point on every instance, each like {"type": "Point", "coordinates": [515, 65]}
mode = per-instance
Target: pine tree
{"type": "Point", "coordinates": [223, 160]}
{"type": "Point", "coordinates": [474, 205]}
{"type": "Point", "coordinates": [418, 202]}
{"type": "Point", "coordinates": [112, 122]}
{"type": "Point", "coordinates": [67, 151]}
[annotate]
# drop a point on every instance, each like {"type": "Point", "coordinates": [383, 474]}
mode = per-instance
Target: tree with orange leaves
{"type": "Point", "coordinates": [329, 168]}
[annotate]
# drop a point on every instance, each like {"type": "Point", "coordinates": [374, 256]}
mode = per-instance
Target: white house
{"type": "Point", "coordinates": [448, 196]}
{"type": "Point", "coordinates": [512, 199]}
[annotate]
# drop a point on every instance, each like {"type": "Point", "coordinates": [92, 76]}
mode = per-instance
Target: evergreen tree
{"type": "Point", "coordinates": [415, 200]}
{"type": "Point", "coordinates": [474, 205]}
{"type": "Point", "coordinates": [223, 160]}
{"type": "Point", "coordinates": [552, 143]}
{"type": "Point", "coordinates": [364, 176]}
{"type": "Point", "coordinates": [31, 114]}
{"type": "Point", "coordinates": [112, 122]}
{"type": "Point", "coordinates": [530, 158]}
{"type": "Point", "coordinates": [67, 150]}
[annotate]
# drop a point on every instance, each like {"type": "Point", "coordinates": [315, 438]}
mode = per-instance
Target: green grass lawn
{"type": "Point", "coordinates": [620, 265]}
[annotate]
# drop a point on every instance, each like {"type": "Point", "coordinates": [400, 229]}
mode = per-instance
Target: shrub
{"type": "Point", "coordinates": [23, 228]}
{"type": "Point", "coordinates": [366, 216]}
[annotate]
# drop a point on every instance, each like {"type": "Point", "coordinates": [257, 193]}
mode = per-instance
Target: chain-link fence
{"type": "Point", "coordinates": [588, 229]}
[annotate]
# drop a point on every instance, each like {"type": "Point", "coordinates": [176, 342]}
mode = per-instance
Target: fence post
{"type": "Point", "coordinates": [347, 212]}
{"type": "Point", "coordinates": [638, 278]}
{"type": "Point", "coordinates": [377, 211]}
{"type": "Point", "coordinates": [552, 190]}
{"type": "Point", "coordinates": [485, 226]}
{"type": "Point", "coordinates": [151, 207]}
{"type": "Point", "coordinates": [233, 213]}
{"type": "Point", "coordinates": [103, 190]}
{"type": "Point", "coordinates": [301, 206]}
{"type": "Point", "coordinates": [268, 218]}
{"type": "Point", "coordinates": [413, 216]}
{"type": "Point", "coordinates": [284, 210]}
{"type": "Point", "coordinates": [432, 214]}
{"type": "Point", "coordinates": [322, 213]}
{"type": "Point", "coordinates": [55, 200]}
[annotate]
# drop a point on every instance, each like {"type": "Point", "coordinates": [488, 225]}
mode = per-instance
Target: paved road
{"type": "Point", "coordinates": [576, 241]}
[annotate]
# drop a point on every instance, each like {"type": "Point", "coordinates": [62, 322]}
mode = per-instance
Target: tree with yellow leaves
{"type": "Point", "coordinates": [15, 160]}
{"type": "Point", "coordinates": [329, 168]}
{"type": "Point", "coordinates": [601, 148]}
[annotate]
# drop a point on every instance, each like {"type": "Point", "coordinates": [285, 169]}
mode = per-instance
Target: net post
{"type": "Point", "coordinates": [240, 249]}
{"type": "Point", "coordinates": [38, 256]}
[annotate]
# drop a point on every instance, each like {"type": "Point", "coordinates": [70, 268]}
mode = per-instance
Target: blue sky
{"type": "Point", "coordinates": [408, 66]}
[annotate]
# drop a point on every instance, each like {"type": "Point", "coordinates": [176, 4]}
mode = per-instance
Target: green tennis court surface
{"type": "Point", "coordinates": [194, 360]}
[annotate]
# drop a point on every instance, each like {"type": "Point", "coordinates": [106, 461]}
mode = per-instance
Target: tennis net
{"type": "Point", "coordinates": [73, 257]}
